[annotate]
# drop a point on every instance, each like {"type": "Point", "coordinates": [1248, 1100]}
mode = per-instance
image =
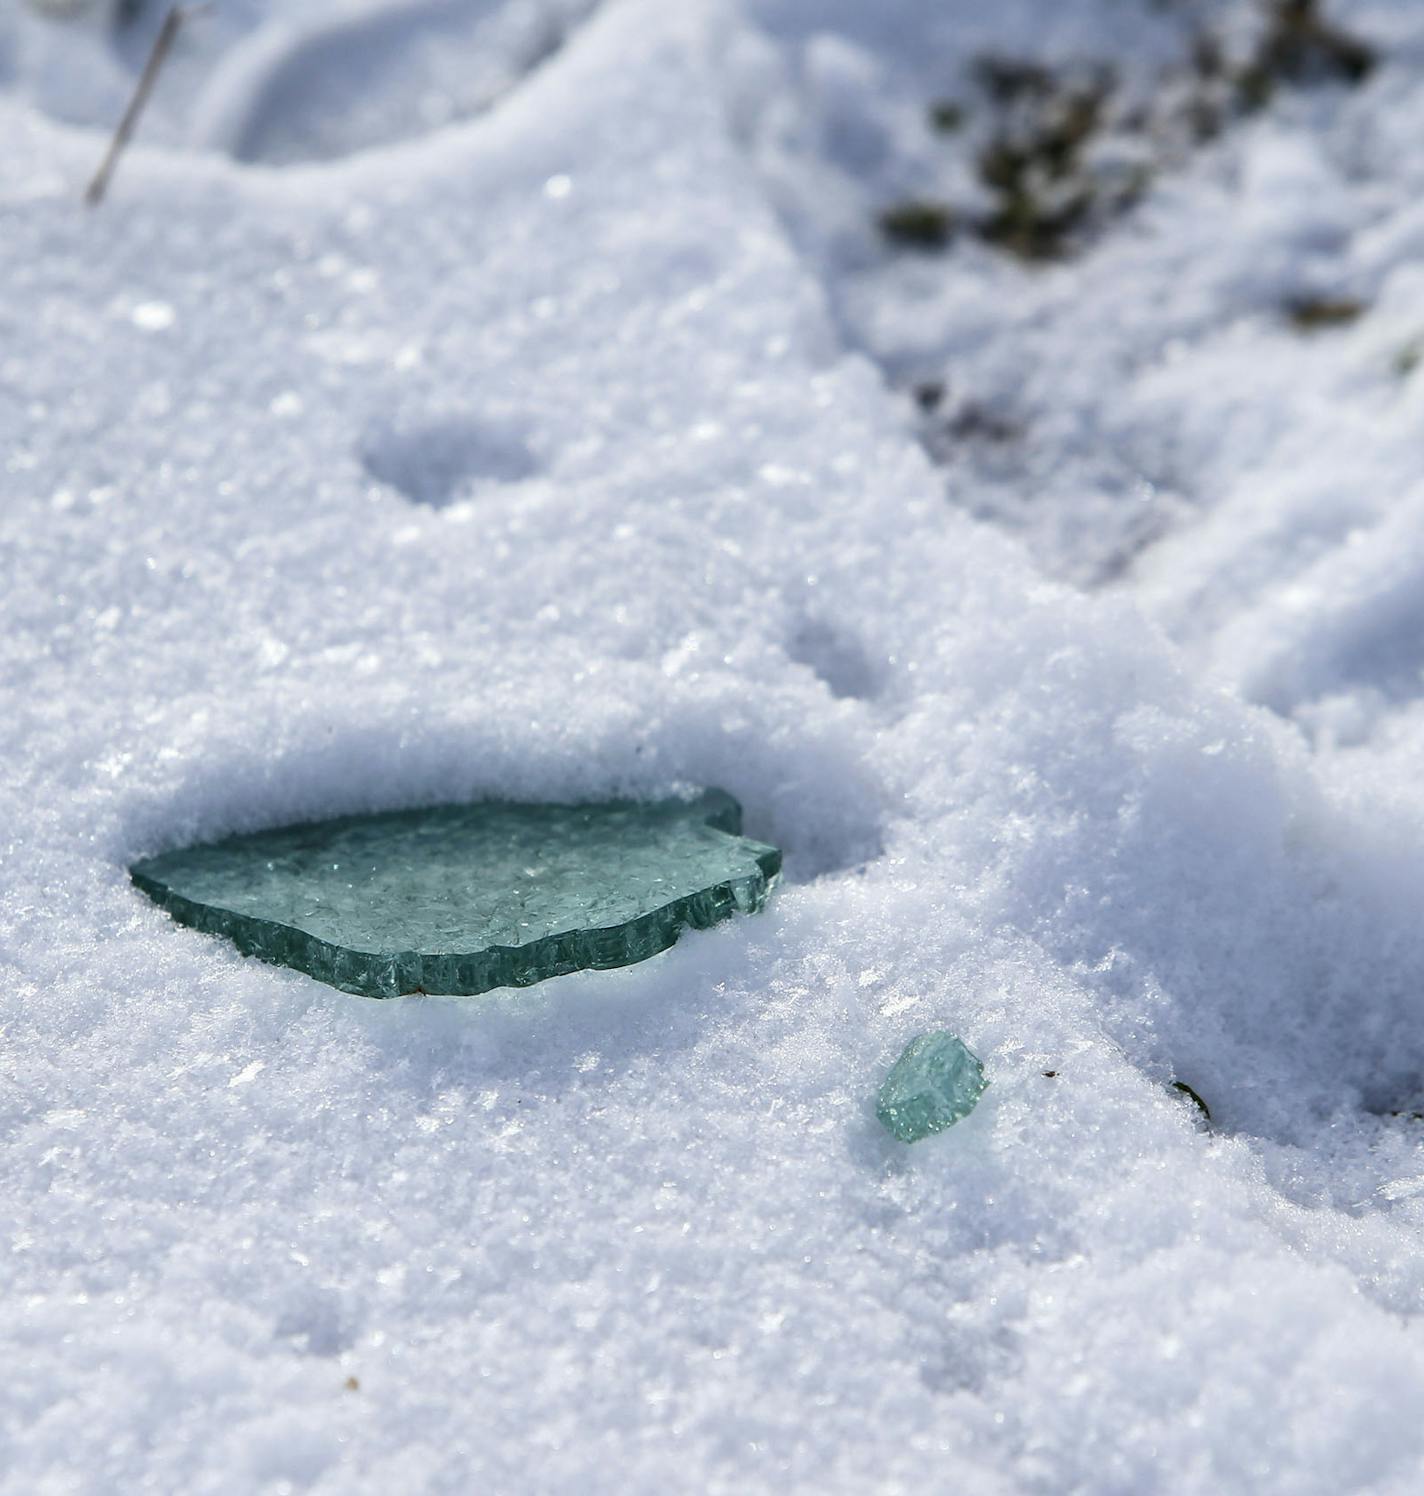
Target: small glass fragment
{"type": "Point", "coordinates": [935, 1083]}
{"type": "Point", "coordinates": [458, 899]}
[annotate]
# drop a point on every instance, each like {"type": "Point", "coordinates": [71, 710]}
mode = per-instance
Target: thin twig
{"type": "Point", "coordinates": [162, 44]}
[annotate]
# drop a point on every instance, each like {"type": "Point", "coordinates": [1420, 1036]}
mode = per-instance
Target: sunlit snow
{"type": "Point", "coordinates": [399, 432]}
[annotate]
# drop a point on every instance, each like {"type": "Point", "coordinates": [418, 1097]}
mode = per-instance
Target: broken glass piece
{"type": "Point", "coordinates": [462, 898]}
{"type": "Point", "coordinates": [935, 1083]}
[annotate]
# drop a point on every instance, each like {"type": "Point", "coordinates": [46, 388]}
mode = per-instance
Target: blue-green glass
{"type": "Point", "coordinates": [462, 898]}
{"type": "Point", "coordinates": [935, 1082]}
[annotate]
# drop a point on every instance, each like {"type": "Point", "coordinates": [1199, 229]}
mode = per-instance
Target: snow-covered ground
{"type": "Point", "coordinates": [520, 398]}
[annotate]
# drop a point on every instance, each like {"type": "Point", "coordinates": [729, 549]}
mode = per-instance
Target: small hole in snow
{"type": "Point", "coordinates": [439, 461]}
{"type": "Point", "coordinates": [836, 657]}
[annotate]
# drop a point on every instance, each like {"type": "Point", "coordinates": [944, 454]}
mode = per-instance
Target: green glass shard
{"type": "Point", "coordinates": [935, 1083]}
{"type": "Point", "coordinates": [462, 898]}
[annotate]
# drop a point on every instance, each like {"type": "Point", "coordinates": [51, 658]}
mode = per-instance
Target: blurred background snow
{"type": "Point", "coordinates": [982, 439]}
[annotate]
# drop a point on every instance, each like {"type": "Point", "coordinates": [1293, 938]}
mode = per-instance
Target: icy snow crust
{"type": "Point", "coordinates": [640, 1230]}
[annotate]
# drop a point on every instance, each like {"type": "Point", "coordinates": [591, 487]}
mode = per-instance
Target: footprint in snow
{"type": "Point", "coordinates": [319, 89]}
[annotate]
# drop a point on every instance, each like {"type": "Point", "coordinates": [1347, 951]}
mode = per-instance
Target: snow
{"type": "Point", "coordinates": [560, 446]}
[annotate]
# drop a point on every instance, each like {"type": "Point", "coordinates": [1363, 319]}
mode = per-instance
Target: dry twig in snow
{"type": "Point", "coordinates": [162, 45]}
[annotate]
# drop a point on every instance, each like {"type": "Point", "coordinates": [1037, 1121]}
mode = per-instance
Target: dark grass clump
{"type": "Point", "coordinates": [1034, 129]}
{"type": "Point", "coordinates": [946, 117]}
{"type": "Point", "coordinates": [1317, 313]}
{"type": "Point", "coordinates": [1299, 46]}
{"type": "Point", "coordinates": [1033, 164]}
{"type": "Point", "coordinates": [918, 224]}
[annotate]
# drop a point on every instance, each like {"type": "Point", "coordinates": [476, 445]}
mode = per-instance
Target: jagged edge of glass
{"type": "Point", "coordinates": [904, 1118]}
{"type": "Point", "coordinates": [402, 973]}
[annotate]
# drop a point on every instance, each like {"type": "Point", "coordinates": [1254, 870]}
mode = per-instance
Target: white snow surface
{"type": "Point", "coordinates": [557, 448]}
